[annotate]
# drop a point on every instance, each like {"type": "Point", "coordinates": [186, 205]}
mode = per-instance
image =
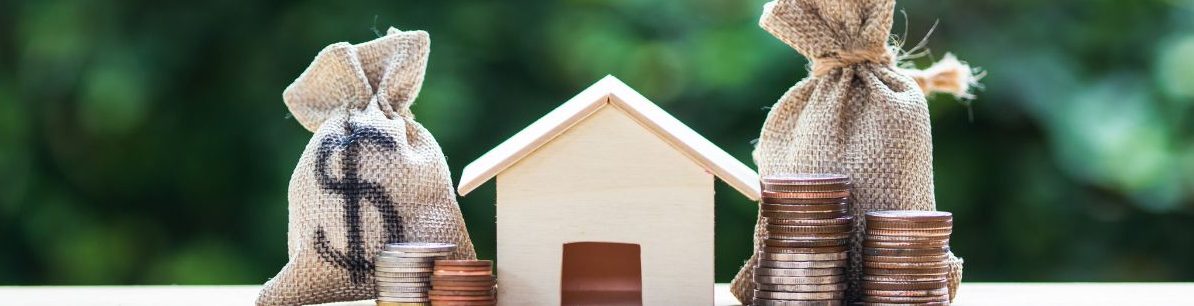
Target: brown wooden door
{"type": "Point", "coordinates": [601, 273]}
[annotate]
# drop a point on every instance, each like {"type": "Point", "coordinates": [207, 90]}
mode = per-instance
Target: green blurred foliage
{"type": "Point", "coordinates": [145, 142]}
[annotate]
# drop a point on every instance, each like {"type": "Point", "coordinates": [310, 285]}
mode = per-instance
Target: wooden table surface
{"type": "Point", "coordinates": [970, 294]}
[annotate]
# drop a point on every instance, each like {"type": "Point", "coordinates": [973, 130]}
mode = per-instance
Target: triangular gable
{"type": "Point", "coordinates": [611, 91]}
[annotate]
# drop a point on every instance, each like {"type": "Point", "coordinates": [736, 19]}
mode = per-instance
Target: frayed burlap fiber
{"type": "Point", "coordinates": [371, 175]}
{"type": "Point", "coordinates": [856, 114]}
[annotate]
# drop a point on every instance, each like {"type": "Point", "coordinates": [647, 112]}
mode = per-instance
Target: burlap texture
{"type": "Point", "coordinates": [370, 175]}
{"type": "Point", "coordinates": [855, 114]}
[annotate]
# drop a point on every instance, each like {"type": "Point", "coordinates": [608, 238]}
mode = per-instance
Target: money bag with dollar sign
{"type": "Point", "coordinates": [371, 174]}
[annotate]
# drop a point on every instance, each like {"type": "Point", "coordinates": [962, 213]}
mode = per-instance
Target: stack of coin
{"type": "Point", "coordinates": [403, 272]}
{"type": "Point", "coordinates": [905, 257]}
{"type": "Point", "coordinates": [463, 282]}
{"type": "Point", "coordinates": [803, 258]}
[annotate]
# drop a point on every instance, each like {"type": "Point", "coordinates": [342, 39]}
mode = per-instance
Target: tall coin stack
{"type": "Point", "coordinates": [803, 258]}
{"type": "Point", "coordinates": [463, 282]}
{"type": "Point", "coordinates": [403, 272]}
{"type": "Point", "coordinates": [905, 257]}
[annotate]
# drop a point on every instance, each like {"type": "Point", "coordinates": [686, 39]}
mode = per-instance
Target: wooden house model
{"type": "Point", "coordinates": [607, 199]}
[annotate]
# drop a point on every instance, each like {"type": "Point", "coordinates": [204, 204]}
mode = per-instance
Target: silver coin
{"type": "Point", "coordinates": [766, 302]}
{"type": "Point", "coordinates": [381, 274]}
{"type": "Point", "coordinates": [775, 295]}
{"type": "Point", "coordinates": [389, 288]}
{"type": "Point", "coordinates": [803, 256]}
{"type": "Point", "coordinates": [384, 259]}
{"type": "Point", "coordinates": [799, 272]}
{"type": "Point", "coordinates": [403, 300]}
{"type": "Point", "coordinates": [388, 279]}
{"type": "Point", "coordinates": [399, 254]}
{"type": "Point", "coordinates": [434, 247]}
{"type": "Point", "coordinates": [403, 270]}
{"type": "Point", "coordinates": [421, 262]}
{"type": "Point", "coordinates": [803, 288]}
{"type": "Point", "coordinates": [403, 294]}
{"type": "Point", "coordinates": [802, 264]}
{"type": "Point", "coordinates": [799, 280]}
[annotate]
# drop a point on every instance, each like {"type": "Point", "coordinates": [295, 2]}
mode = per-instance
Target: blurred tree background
{"type": "Point", "coordinates": [145, 142]}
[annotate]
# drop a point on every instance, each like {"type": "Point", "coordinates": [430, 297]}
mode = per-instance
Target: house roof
{"type": "Point", "coordinates": [611, 91]}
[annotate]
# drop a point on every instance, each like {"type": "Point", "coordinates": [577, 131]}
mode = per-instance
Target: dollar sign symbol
{"type": "Point", "coordinates": [354, 190]}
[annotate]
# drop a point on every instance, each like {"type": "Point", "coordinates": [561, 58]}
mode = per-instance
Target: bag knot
{"type": "Point", "coordinates": [825, 64]}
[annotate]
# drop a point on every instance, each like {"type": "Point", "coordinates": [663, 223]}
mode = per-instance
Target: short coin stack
{"type": "Point", "coordinates": [905, 257]}
{"type": "Point", "coordinates": [403, 272]}
{"type": "Point", "coordinates": [803, 258]}
{"type": "Point", "coordinates": [463, 282]}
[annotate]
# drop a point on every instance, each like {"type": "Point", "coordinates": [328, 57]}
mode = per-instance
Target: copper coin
{"type": "Point", "coordinates": [904, 265]}
{"type": "Point", "coordinates": [766, 302]}
{"type": "Point", "coordinates": [804, 243]}
{"type": "Point", "coordinates": [904, 245]}
{"type": "Point", "coordinates": [780, 295]}
{"type": "Point", "coordinates": [485, 292]}
{"type": "Point", "coordinates": [805, 188]}
{"type": "Point", "coordinates": [906, 238]}
{"type": "Point", "coordinates": [463, 263]}
{"type": "Point", "coordinates": [787, 201]}
{"type": "Point", "coordinates": [465, 269]}
{"type": "Point", "coordinates": [804, 208]}
{"type": "Point", "coordinates": [808, 229]}
{"type": "Point", "coordinates": [468, 273]}
{"type": "Point", "coordinates": [806, 195]}
{"type": "Point", "coordinates": [909, 216]}
{"type": "Point", "coordinates": [905, 299]}
{"type": "Point", "coordinates": [926, 285]}
{"type": "Point", "coordinates": [802, 288]}
{"type": "Point", "coordinates": [802, 264]}
{"type": "Point", "coordinates": [796, 215]}
{"type": "Point", "coordinates": [464, 303]}
{"type": "Point", "coordinates": [930, 292]}
{"type": "Point", "coordinates": [460, 298]}
{"type": "Point", "coordinates": [481, 284]}
{"type": "Point", "coordinates": [805, 178]}
{"type": "Point", "coordinates": [802, 256]}
{"type": "Point", "coordinates": [909, 226]}
{"type": "Point", "coordinates": [799, 272]}
{"type": "Point", "coordinates": [909, 233]}
{"type": "Point", "coordinates": [868, 251]}
{"type": "Point", "coordinates": [906, 304]}
{"type": "Point", "coordinates": [811, 250]}
{"type": "Point", "coordinates": [810, 222]}
{"type": "Point", "coordinates": [467, 278]}
{"type": "Point", "coordinates": [926, 271]}
{"type": "Point", "coordinates": [929, 258]}
{"type": "Point", "coordinates": [905, 278]}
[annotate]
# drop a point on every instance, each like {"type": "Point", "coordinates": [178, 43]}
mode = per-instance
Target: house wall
{"type": "Point", "coordinates": [607, 179]}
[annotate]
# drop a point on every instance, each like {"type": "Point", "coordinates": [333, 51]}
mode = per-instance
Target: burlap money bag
{"type": "Point", "coordinates": [370, 175]}
{"type": "Point", "coordinates": [855, 114]}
